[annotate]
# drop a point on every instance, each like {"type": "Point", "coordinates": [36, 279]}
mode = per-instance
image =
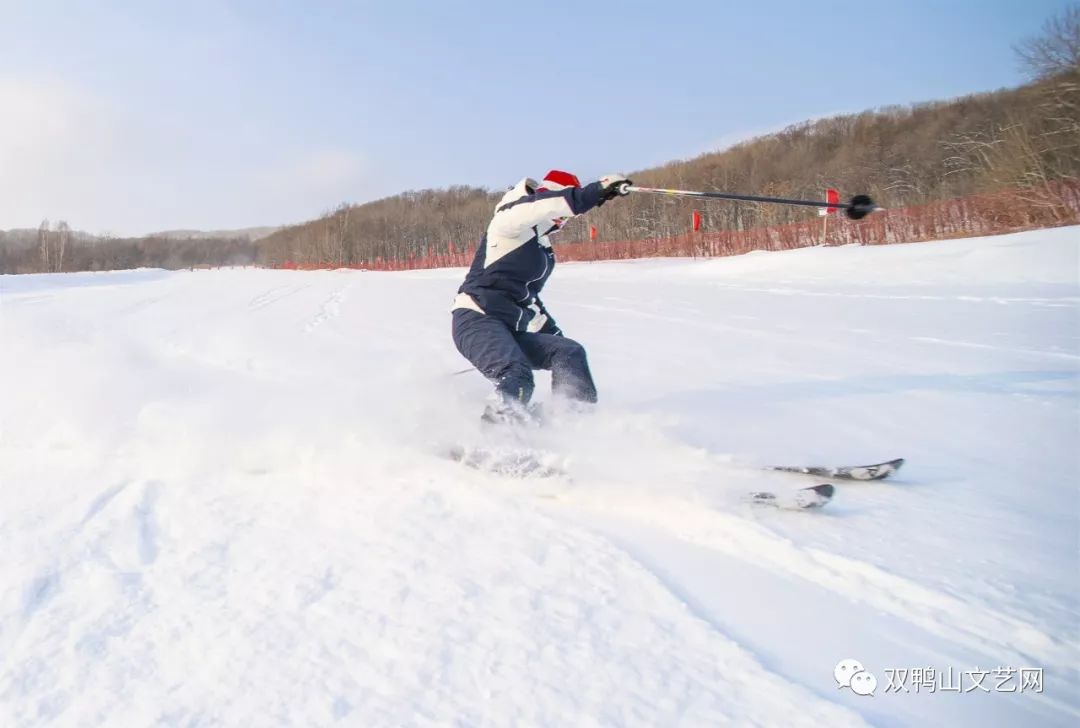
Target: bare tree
{"type": "Point", "coordinates": [1057, 50]}
{"type": "Point", "coordinates": [43, 244]}
{"type": "Point", "coordinates": [63, 234]}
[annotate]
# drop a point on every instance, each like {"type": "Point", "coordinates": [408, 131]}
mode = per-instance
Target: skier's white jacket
{"type": "Point", "coordinates": [515, 257]}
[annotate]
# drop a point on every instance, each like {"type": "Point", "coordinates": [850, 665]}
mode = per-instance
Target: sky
{"type": "Point", "coordinates": [132, 117]}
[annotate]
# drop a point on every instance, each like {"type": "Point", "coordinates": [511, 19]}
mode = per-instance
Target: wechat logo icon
{"type": "Point", "coordinates": [851, 674]}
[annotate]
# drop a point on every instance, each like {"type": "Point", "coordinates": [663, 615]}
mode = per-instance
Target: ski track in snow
{"type": "Point", "coordinates": [330, 309]}
{"type": "Point", "coordinates": [948, 617]}
{"type": "Point", "coordinates": [208, 522]}
{"type": "Point", "coordinates": [273, 295]}
{"type": "Point", "coordinates": [973, 345]}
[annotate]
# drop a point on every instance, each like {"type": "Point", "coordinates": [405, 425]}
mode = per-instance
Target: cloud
{"type": "Point", "coordinates": [66, 153]}
{"type": "Point", "coordinates": [36, 117]}
{"type": "Point", "coordinates": [328, 168]}
{"type": "Point", "coordinates": [53, 138]}
{"type": "Point", "coordinates": [312, 180]}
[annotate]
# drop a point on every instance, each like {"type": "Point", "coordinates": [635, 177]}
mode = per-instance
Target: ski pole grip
{"type": "Point", "coordinates": [623, 188]}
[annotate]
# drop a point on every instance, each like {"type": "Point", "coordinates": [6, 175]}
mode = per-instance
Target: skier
{"type": "Point", "coordinates": [499, 323]}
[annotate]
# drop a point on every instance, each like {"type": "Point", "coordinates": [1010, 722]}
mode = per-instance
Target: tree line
{"type": "Point", "coordinates": [57, 248]}
{"type": "Point", "coordinates": [1026, 140]}
{"type": "Point", "coordinates": [1022, 139]}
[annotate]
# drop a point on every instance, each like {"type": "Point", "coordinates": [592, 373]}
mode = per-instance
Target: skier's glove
{"type": "Point", "coordinates": [612, 186]}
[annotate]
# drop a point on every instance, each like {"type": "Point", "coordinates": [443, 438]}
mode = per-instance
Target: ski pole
{"type": "Point", "coordinates": [859, 207]}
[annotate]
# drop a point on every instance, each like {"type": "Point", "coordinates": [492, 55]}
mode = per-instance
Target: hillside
{"type": "Point", "coordinates": [229, 502]}
{"type": "Point", "coordinates": [250, 234]}
{"type": "Point", "coordinates": [1022, 138]}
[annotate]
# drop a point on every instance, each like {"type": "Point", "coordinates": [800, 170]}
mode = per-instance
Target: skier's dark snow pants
{"type": "Point", "coordinates": [507, 357]}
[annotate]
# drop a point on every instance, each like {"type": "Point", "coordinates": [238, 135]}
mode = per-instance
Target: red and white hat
{"type": "Point", "coordinates": [556, 180]}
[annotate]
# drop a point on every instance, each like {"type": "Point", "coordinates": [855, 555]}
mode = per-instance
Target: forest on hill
{"type": "Point", "coordinates": [1022, 141]}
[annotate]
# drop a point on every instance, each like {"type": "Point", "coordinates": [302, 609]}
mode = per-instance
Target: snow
{"type": "Point", "coordinates": [224, 501]}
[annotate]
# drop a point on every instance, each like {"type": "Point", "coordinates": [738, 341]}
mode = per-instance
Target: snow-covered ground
{"type": "Point", "coordinates": [224, 504]}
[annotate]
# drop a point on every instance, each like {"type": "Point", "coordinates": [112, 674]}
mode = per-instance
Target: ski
{"type": "Point", "coordinates": [510, 462]}
{"type": "Point", "coordinates": [527, 463]}
{"type": "Point", "coordinates": [815, 496]}
{"type": "Point", "coordinates": [878, 471]}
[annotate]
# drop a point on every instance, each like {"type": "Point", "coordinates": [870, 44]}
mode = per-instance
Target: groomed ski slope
{"type": "Point", "coordinates": [223, 502]}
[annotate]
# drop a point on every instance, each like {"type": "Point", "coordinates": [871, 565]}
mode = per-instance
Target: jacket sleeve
{"type": "Point", "coordinates": [514, 218]}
